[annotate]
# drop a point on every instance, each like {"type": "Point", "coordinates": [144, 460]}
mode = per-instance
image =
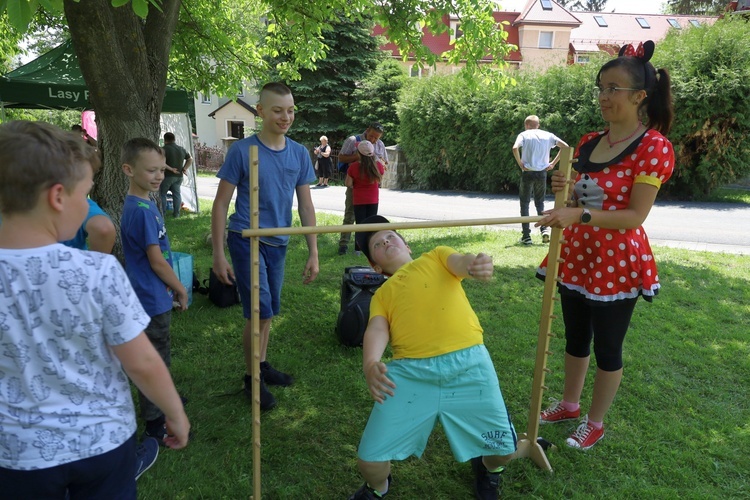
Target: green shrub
{"type": "Point", "coordinates": [710, 69]}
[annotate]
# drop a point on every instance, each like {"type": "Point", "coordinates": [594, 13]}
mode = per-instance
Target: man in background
{"type": "Point", "coordinates": [178, 162]}
{"type": "Point", "coordinates": [533, 160]}
{"type": "Point", "coordinates": [347, 155]}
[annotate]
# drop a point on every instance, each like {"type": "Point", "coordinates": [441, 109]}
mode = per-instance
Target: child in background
{"type": "Point", "coordinates": [97, 232]}
{"type": "Point", "coordinates": [364, 177]}
{"type": "Point", "coordinates": [71, 328]}
{"type": "Point", "coordinates": [148, 258]}
{"type": "Point", "coordinates": [440, 368]}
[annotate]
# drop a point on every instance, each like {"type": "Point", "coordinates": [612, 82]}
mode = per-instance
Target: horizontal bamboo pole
{"type": "Point", "coordinates": [353, 228]}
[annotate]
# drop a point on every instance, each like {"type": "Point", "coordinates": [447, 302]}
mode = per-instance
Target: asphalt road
{"type": "Point", "coordinates": [714, 227]}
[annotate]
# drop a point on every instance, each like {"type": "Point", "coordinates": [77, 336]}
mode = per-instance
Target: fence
{"type": "Point", "coordinates": [208, 157]}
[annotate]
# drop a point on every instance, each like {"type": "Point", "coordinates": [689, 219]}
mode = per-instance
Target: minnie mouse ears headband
{"type": "Point", "coordinates": [644, 51]}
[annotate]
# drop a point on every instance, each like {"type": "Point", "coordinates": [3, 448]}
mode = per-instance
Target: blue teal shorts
{"type": "Point", "coordinates": [460, 389]}
{"type": "Point", "coordinates": [272, 261]}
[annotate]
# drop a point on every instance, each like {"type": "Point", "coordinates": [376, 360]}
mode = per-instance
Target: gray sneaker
{"type": "Point", "coordinates": [145, 456]}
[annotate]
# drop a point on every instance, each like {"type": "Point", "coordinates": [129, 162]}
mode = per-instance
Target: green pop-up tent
{"type": "Point", "coordinates": [54, 81]}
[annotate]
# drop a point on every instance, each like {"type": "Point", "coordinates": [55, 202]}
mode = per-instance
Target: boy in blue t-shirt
{"type": "Point", "coordinates": [284, 169]}
{"type": "Point", "coordinates": [148, 258]}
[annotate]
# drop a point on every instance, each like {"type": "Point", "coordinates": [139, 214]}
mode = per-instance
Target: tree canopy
{"type": "Point", "coordinates": [697, 7]}
{"type": "Point", "coordinates": [127, 49]}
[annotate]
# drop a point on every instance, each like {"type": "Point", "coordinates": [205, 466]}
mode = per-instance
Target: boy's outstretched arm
{"type": "Point", "coordinates": [306, 211]}
{"type": "Point", "coordinates": [148, 372]}
{"type": "Point", "coordinates": [477, 266]}
{"type": "Point", "coordinates": [376, 339]}
{"type": "Point", "coordinates": [164, 271]}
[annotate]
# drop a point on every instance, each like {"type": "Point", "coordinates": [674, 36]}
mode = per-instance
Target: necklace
{"type": "Point", "coordinates": [611, 144]}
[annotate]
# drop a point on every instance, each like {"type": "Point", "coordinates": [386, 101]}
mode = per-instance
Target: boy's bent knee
{"type": "Point", "coordinates": [374, 468]}
{"type": "Point", "coordinates": [492, 462]}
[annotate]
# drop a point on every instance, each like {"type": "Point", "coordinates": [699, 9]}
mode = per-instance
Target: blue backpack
{"type": "Point", "coordinates": [343, 166]}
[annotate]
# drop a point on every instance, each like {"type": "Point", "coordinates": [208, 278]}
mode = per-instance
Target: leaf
{"type": "Point", "coordinates": [20, 13]}
{"type": "Point", "coordinates": [140, 7]}
{"type": "Point", "coordinates": [51, 5]}
{"type": "Point", "coordinates": [119, 3]}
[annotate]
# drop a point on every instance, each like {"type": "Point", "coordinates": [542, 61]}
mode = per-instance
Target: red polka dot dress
{"type": "Point", "coordinates": [605, 265]}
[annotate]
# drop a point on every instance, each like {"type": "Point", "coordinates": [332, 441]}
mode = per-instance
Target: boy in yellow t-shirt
{"type": "Point", "coordinates": [440, 368]}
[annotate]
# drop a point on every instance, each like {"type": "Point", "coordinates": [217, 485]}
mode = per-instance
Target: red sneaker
{"type": "Point", "coordinates": [585, 436]}
{"type": "Point", "coordinates": [558, 413]}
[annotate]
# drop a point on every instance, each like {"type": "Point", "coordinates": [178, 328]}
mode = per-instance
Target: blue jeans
{"type": "Point", "coordinates": [171, 184]}
{"type": "Point", "coordinates": [532, 182]}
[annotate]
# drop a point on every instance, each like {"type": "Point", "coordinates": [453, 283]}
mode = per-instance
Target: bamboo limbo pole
{"type": "Point", "coordinates": [529, 444]}
{"type": "Point", "coordinates": [255, 321]}
{"type": "Point", "coordinates": [395, 226]}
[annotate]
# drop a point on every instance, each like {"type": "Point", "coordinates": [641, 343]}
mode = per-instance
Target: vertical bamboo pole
{"type": "Point", "coordinates": [255, 317]}
{"type": "Point", "coordinates": [529, 444]}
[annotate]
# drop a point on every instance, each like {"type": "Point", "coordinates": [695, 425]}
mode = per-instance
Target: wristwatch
{"type": "Point", "coordinates": [585, 216]}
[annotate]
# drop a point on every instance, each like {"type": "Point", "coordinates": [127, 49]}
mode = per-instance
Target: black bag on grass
{"type": "Point", "coordinates": [220, 294]}
{"type": "Point", "coordinates": [357, 288]}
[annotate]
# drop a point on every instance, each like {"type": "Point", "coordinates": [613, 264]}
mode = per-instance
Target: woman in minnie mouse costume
{"type": "Point", "coordinates": [608, 261]}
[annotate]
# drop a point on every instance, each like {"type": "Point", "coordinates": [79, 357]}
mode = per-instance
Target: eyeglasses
{"type": "Point", "coordinates": [609, 91]}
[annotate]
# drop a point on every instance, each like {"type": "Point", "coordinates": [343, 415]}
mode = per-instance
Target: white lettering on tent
{"type": "Point", "coordinates": [65, 94]}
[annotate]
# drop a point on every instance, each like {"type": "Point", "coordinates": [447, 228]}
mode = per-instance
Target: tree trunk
{"type": "Point", "coordinates": [124, 62]}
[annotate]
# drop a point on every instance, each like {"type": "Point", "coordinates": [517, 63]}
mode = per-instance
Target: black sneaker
{"type": "Point", "coordinates": [156, 429]}
{"type": "Point", "coordinates": [526, 240]}
{"type": "Point", "coordinates": [343, 249]}
{"type": "Point", "coordinates": [267, 401]}
{"type": "Point", "coordinates": [272, 376]}
{"type": "Point", "coordinates": [145, 456]}
{"type": "Point", "coordinates": [368, 493]}
{"type": "Point", "coordinates": [545, 238]}
{"type": "Point", "coordinates": [486, 483]}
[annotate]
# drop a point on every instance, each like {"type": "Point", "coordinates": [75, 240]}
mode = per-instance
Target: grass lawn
{"type": "Point", "coordinates": [679, 428]}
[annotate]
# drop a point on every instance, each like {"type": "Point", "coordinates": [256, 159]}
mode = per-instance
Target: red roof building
{"type": "Point", "coordinates": [546, 34]}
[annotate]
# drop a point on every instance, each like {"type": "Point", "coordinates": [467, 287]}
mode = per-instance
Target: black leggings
{"type": "Point", "coordinates": [361, 212]}
{"type": "Point", "coordinates": [606, 324]}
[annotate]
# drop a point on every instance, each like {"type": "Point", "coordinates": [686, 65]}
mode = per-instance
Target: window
{"type": "Point", "coordinates": [241, 92]}
{"type": "Point", "coordinates": [414, 72]}
{"type": "Point", "coordinates": [546, 5]}
{"type": "Point", "coordinates": [695, 22]}
{"type": "Point", "coordinates": [673, 23]}
{"type": "Point", "coordinates": [545, 39]}
{"type": "Point", "coordinates": [205, 98]}
{"type": "Point", "coordinates": [600, 21]}
{"type": "Point", "coordinates": [642, 21]}
{"type": "Point", "coordinates": [456, 32]}
{"type": "Point", "coordinates": [582, 58]}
